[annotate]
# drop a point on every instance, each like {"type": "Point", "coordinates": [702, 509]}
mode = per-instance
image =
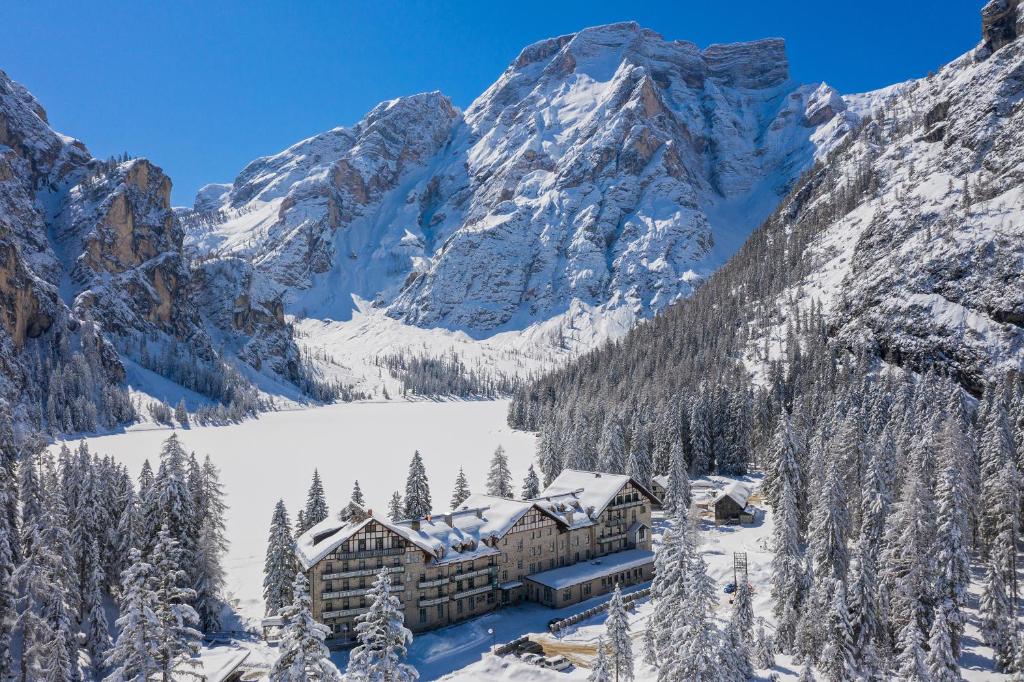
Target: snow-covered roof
{"type": "Point", "coordinates": [216, 664]}
{"type": "Point", "coordinates": [661, 480]}
{"type": "Point", "coordinates": [324, 538]}
{"type": "Point", "coordinates": [558, 578]}
{"type": "Point", "coordinates": [577, 498]}
{"type": "Point", "coordinates": [737, 491]}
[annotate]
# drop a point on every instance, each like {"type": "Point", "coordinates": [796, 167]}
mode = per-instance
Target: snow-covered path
{"type": "Point", "coordinates": [273, 457]}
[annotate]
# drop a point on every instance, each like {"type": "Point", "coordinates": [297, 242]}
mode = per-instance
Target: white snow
{"type": "Point", "coordinates": [557, 578]}
{"type": "Point", "coordinates": [274, 456]}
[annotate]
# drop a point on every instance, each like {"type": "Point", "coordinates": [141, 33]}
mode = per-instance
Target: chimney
{"type": "Point", "coordinates": [415, 524]}
{"type": "Point", "coordinates": [479, 512]}
{"type": "Point", "coordinates": [448, 519]}
{"type": "Point", "coordinates": [568, 516]}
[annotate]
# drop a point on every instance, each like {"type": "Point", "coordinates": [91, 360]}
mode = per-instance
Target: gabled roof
{"type": "Point", "coordinates": [738, 492]}
{"type": "Point", "coordinates": [584, 494]}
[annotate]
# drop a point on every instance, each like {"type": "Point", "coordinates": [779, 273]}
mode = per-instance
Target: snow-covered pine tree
{"type": "Point", "coordinates": [417, 489]}
{"type": "Point", "coordinates": [762, 654]}
{"type": "Point", "coordinates": [499, 478]}
{"type": "Point", "coordinates": [396, 507]}
{"type": "Point", "coordinates": [316, 504]}
{"type": "Point", "coordinates": [210, 547]}
{"type": "Point", "coordinates": [700, 435]}
{"type": "Point", "coordinates": [383, 639]}
{"type": "Point", "coordinates": [639, 464]}
{"type": "Point", "coordinates": [942, 663]}
{"type": "Point", "coordinates": [357, 495]}
{"type": "Point", "coordinates": [620, 648]}
{"type": "Point", "coordinates": [181, 414]}
{"type": "Point", "coordinates": [178, 640]}
{"type": "Point", "coordinates": [735, 648]}
{"type": "Point", "coordinates": [787, 585]}
{"type": "Point", "coordinates": [836, 659]}
{"type": "Point", "coordinates": [148, 512]}
{"type": "Point", "coordinates": [908, 568]}
{"type": "Point", "coordinates": [807, 673]}
{"type": "Point", "coordinates": [612, 448]}
{"type": "Point", "coordinates": [549, 454]}
{"type": "Point", "coordinates": [910, 659]}
{"type": "Point", "coordinates": [279, 565]}
{"type": "Point", "coordinates": [531, 484]}
{"type": "Point", "coordinates": [97, 630]}
{"type": "Point", "coordinates": [952, 558]}
{"type": "Point", "coordinates": [697, 649]}
{"type": "Point", "coordinates": [997, 619]}
{"type": "Point", "coordinates": [668, 592]}
{"type": "Point", "coordinates": [677, 492]}
{"type": "Point", "coordinates": [303, 655]}
{"type": "Point", "coordinates": [599, 671]}
{"type": "Point", "coordinates": [461, 491]}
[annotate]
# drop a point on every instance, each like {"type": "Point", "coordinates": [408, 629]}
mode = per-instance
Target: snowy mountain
{"type": "Point", "coordinates": [96, 286]}
{"type": "Point", "coordinates": [610, 168]}
{"type": "Point", "coordinates": [904, 246]}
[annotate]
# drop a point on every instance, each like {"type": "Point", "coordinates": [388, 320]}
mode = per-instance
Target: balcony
{"type": "Point", "coordinates": [472, 592]}
{"type": "Point", "coordinates": [474, 572]}
{"type": "Point", "coordinates": [611, 538]}
{"type": "Point", "coordinates": [355, 592]}
{"type": "Point", "coordinates": [365, 553]}
{"type": "Point", "coordinates": [436, 582]}
{"type": "Point", "coordinates": [359, 572]}
{"type": "Point", "coordinates": [344, 612]}
{"type": "Point", "coordinates": [434, 601]}
{"type": "Point", "coordinates": [625, 505]}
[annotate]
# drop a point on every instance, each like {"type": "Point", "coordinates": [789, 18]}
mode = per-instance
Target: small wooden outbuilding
{"type": "Point", "coordinates": [731, 505]}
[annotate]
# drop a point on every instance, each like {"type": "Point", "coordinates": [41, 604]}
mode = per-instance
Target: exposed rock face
{"type": "Point", "coordinates": [927, 267]}
{"type": "Point", "coordinates": [610, 166]}
{"type": "Point", "coordinates": [1001, 23]}
{"type": "Point", "coordinates": [84, 241]}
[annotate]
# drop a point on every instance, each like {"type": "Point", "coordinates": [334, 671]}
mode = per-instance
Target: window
{"type": "Point", "coordinates": [440, 611]}
{"type": "Point", "coordinates": [458, 606]}
{"type": "Point", "coordinates": [586, 588]}
{"type": "Point", "coordinates": [490, 597]}
{"type": "Point", "coordinates": [423, 615]}
{"type": "Point", "coordinates": [567, 595]}
{"type": "Point", "coordinates": [362, 545]}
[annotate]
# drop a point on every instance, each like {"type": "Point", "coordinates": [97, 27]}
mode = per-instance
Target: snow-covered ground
{"type": "Point", "coordinates": [273, 457]}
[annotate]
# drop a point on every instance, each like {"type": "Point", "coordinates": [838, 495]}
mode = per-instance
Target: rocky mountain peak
{"type": "Point", "coordinates": [1002, 21]}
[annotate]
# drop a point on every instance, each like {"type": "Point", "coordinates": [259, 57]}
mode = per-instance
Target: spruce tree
{"type": "Point", "coordinates": [417, 489]}
{"type": "Point", "coordinates": [97, 630]}
{"type": "Point", "coordinates": [639, 464]}
{"type": "Point", "coordinates": [181, 414]}
{"type": "Point", "coordinates": [531, 484]}
{"type": "Point", "coordinates": [210, 547]}
{"type": "Point", "coordinates": [8, 545]}
{"type": "Point", "coordinates": [383, 639]}
{"type": "Point", "coordinates": [316, 504]}
{"type": "Point", "coordinates": [696, 652]}
{"type": "Point", "coordinates": [677, 492]}
{"type": "Point", "coordinates": [396, 507]}
{"type": "Point", "coordinates": [134, 654]}
{"type": "Point", "coordinates": [910, 660]}
{"type": "Point", "coordinates": [357, 495]}
{"type": "Point", "coordinates": [762, 654]}
{"type": "Point", "coordinates": [499, 478]}
{"type": "Point", "coordinates": [620, 648]}
{"type": "Point", "coordinates": [787, 567]}
{"type": "Point", "coordinates": [178, 641]}
{"type": "Point", "coordinates": [461, 491]}
{"type": "Point", "coordinates": [303, 655]}
{"type": "Point", "coordinates": [279, 565]}
{"type": "Point", "coordinates": [942, 664]}
{"type": "Point", "coordinates": [600, 672]}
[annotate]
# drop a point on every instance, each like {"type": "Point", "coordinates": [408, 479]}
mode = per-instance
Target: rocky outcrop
{"type": "Point", "coordinates": [610, 167]}
{"type": "Point", "coordinates": [1001, 23]}
{"type": "Point", "coordinates": [92, 260]}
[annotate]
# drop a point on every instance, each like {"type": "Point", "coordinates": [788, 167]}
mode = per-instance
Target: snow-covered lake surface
{"type": "Point", "coordinates": [273, 457]}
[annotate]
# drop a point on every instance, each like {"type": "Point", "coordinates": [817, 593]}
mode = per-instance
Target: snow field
{"type": "Point", "coordinates": [273, 457]}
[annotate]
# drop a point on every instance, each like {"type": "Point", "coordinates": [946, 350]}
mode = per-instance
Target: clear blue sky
{"type": "Point", "coordinates": [201, 90]}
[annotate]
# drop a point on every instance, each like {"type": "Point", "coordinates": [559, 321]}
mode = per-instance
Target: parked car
{"type": "Point", "coordinates": [556, 662]}
{"type": "Point", "coordinates": [534, 659]}
{"type": "Point", "coordinates": [730, 588]}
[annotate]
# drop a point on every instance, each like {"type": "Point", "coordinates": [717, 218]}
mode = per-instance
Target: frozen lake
{"type": "Point", "coordinates": [262, 460]}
